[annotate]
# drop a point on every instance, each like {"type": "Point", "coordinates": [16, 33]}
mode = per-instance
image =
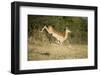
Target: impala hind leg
{"type": "Point", "coordinates": [43, 28]}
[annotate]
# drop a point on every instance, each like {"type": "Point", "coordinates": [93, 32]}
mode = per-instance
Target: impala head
{"type": "Point", "coordinates": [67, 30]}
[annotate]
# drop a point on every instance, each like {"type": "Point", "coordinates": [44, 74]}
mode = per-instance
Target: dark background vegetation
{"type": "Point", "coordinates": [77, 25]}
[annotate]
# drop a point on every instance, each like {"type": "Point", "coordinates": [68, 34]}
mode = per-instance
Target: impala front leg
{"type": "Point", "coordinates": [58, 42]}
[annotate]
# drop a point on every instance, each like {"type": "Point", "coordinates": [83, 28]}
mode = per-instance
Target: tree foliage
{"type": "Point", "coordinates": [77, 26]}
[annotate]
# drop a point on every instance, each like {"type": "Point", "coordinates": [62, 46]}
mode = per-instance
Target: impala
{"type": "Point", "coordinates": [60, 36]}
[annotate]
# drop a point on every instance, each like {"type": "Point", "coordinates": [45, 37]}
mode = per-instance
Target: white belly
{"type": "Point", "coordinates": [58, 37]}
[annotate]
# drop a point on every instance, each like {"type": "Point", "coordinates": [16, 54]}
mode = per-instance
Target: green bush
{"type": "Point", "coordinates": [77, 26]}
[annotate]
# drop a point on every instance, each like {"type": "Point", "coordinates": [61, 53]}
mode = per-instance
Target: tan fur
{"type": "Point", "coordinates": [60, 36]}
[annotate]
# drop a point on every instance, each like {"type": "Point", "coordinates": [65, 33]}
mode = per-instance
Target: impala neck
{"type": "Point", "coordinates": [66, 35]}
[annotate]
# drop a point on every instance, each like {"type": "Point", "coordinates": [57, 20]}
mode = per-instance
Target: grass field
{"type": "Point", "coordinates": [55, 52]}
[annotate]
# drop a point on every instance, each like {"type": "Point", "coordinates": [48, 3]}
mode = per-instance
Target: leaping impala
{"type": "Point", "coordinates": [60, 36]}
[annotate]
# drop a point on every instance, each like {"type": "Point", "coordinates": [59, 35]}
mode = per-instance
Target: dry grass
{"type": "Point", "coordinates": [54, 52]}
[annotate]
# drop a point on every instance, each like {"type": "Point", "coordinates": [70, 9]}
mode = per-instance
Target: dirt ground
{"type": "Point", "coordinates": [56, 52]}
